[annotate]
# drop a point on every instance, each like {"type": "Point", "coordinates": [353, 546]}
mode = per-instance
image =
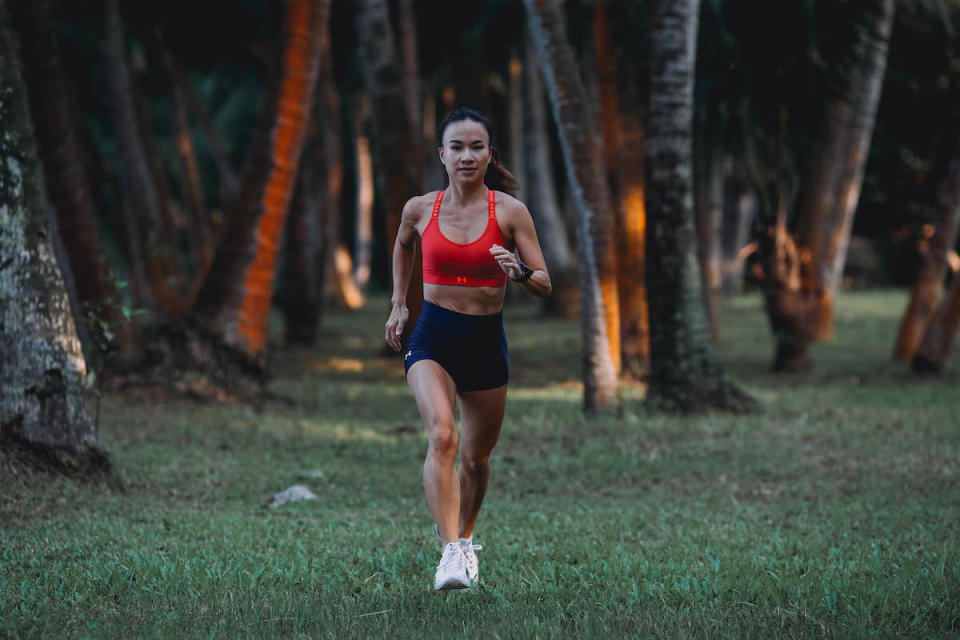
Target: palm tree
{"type": "Point", "coordinates": [583, 158]}
{"type": "Point", "coordinates": [396, 143]}
{"type": "Point", "coordinates": [235, 299]}
{"type": "Point", "coordinates": [831, 177]}
{"type": "Point", "coordinates": [66, 181]}
{"type": "Point", "coordinates": [43, 372]}
{"type": "Point", "coordinates": [685, 373]}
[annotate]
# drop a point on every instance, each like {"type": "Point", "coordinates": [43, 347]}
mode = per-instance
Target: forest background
{"type": "Point", "coordinates": [750, 214]}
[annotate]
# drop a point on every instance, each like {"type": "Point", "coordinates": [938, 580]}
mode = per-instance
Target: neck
{"type": "Point", "coordinates": [464, 194]}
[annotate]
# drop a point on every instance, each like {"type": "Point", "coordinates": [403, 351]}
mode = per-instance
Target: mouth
{"type": "Point", "coordinates": [467, 169]}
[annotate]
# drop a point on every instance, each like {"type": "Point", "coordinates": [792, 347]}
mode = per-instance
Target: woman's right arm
{"type": "Point", "coordinates": [404, 251]}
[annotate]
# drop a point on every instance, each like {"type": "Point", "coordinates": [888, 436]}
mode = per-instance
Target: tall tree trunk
{"type": "Point", "coordinates": [708, 205]}
{"type": "Point", "coordinates": [363, 232]}
{"type": "Point", "coordinates": [66, 180]}
{"type": "Point", "coordinates": [396, 145]}
{"type": "Point", "coordinates": [739, 214]}
{"type": "Point", "coordinates": [406, 19]}
{"type": "Point", "coordinates": [926, 292]}
{"type": "Point", "coordinates": [229, 182]}
{"type": "Point", "coordinates": [140, 188]}
{"type": "Point", "coordinates": [541, 192]}
{"type": "Point", "coordinates": [941, 335]}
{"type": "Point", "coordinates": [623, 149]}
{"type": "Point", "coordinates": [234, 301]}
{"type": "Point", "coordinates": [685, 373]}
{"type": "Point", "coordinates": [515, 124]}
{"type": "Point", "coordinates": [830, 187]}
{"type": "Point", "coordinates": [198, 225]}
{"type": "Point", "coordinates": [300, 298]}
{"type": "Point", "coordinates": [583, 158]}
{"type": "Point", "coordinates": [43, 372]}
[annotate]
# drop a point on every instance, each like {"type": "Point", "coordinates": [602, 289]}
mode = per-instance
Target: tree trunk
{"type": "Point", "coordinates": [234, 301]}
{"type": "Point", "coordinates": [540, 190]}
{"type": "Point", "coordinates": [396, 145]}
{"type": "Point", "coordinates": [301, 292]}
{"type": "Point", "coordinates": [685, 373]}
{"type": "Point", "coordinates": [139, 186]}
{"type": "Point", "coordinates": [229, 183]}
{"type": "Point", "coordinates": [708, 204]}
{"type": "Point", "coordinates": [938, 342]}
{"type": "Point", "coordinates": [623, 147]}
{"type": "Point", "coordinates": [583, 158]}
{"type": "Point", "coordinates": [830, 188]}
{"type": "Point", "coordinates": [363, 233]}
{"type": "Point", "coordinates": [66, 180]}
{"type": "Point", "coordinates": [739, 214]}
{"type": "Point", "coordinates": [515, 123]}
{"type": "Point", "coordinates": [43, 376]}
{"type": "Point", "coordinates": [411, 65]}
{"type": "Point", "coordinates": [933, 251]}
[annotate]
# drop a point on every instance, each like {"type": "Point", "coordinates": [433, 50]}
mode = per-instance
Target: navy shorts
{"type": "Point", "coordinates": [472, 349]}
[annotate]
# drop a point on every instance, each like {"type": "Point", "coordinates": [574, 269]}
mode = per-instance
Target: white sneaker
{"type": "Point", "coordinates": [452, 570]}
{"type": "Point", "coordinates": [473, 566]}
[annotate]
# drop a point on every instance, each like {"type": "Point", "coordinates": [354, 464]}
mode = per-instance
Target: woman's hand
{"type": "Point", "coordinates": [507, 261]}
{"type": "Point", "coordinates": [395, 324]}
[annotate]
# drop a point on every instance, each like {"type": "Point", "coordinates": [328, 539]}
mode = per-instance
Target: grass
{"type": "Point", "coordinates": [833, 513]}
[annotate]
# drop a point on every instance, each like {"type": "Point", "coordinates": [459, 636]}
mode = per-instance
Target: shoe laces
{"type": "Point", "coordinates": [470, 547]}
{"type": "Point", "coordinates": [452, 559]}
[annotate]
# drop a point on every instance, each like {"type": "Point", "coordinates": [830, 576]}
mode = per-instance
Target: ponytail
{"type": "Point", "coordinates": [498, 178]}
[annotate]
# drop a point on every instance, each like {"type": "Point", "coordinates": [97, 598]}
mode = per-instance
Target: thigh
{"type": "Point", "coordinates": [435, 393]}
{"type": "Point", "coordinates": [481, 417]}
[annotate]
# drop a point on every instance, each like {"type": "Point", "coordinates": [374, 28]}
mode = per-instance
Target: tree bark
{"type": "Point", "coordinates": [830, 187]}
{"type": "Point", "coordinates": [363, 233]}
{"type": "Point", "coordinates": [141, 193]}
{"type": "Point", "coordinates": [583, 158]}
{"type": "Point", "coordinates": [938, 341]}
{"type": "Point", "coordinates": [933, 251]}
{"type": "Point", "coordinates": [685, 373]}
{"type": "Point", "coordinates": [708, 199]}
{"type": "Point", "coordinates": [540, 192]}
{"type": "Point", "coordinates": [234, 301]}
{"type": "Point", "coordinates": [623, 148]}
{"type": "Point", "coordinates": [396, 145]}
{"type": "Point", "coordinates": [66, 181]}
{"type": "Point", "coordinates": [43, 372]}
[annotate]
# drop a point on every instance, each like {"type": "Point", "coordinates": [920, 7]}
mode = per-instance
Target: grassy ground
{"type": "Point", "coordinates": [834, 513]}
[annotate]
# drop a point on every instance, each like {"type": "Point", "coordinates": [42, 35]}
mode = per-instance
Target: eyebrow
{"type": "Point", "coordinates": [455, 141]}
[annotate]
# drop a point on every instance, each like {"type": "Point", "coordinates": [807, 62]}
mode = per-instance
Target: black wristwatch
{"type": "Point", "coordinates": [525, 272]}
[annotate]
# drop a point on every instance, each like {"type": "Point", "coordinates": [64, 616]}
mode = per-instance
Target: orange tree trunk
{"type": "Point", "coordinates": [929, 285]}
{"type": "Point", "coordinates": [235, 299]}
{"type": "Point", "coordinates": [623, 148]}
{"type": "Point", "coordinates": [396, 143]}
{"type": "Point", "coordinates": [66, 181]}
{"type": "Point", "coordinates": [686, 374]}
{"type": "Point", "coordinates": [938, 342]}
{"type": "Point", "coordinates": [586, 173]}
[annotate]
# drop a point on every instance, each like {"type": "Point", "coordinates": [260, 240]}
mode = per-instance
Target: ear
{"type": "Point", "coordinates": [440, 153]}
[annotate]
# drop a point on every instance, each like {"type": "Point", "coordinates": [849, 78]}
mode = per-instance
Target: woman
{"type": "Point", "coordinates": [470, 235]}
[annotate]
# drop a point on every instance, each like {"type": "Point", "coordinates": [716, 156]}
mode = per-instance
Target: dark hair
{"type": "Point", "coordinates": [497, 175]}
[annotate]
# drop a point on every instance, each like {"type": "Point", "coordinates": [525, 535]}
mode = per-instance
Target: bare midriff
{"type": "Point", "coordinates": [474, 301]}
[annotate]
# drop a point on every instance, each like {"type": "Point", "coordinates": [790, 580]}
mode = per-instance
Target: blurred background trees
{"type": "Point", "coordinates": [204, 162]}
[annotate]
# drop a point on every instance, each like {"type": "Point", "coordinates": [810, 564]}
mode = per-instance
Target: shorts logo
{"type": "Point", "coordinates": [409, 353]}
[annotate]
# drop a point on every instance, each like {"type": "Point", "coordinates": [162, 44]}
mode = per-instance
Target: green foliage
{"type": "Point", "coordinates": [833, 514]}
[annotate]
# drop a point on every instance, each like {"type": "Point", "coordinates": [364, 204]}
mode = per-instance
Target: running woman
{"type": "Point", "coordinates": [471, 235]}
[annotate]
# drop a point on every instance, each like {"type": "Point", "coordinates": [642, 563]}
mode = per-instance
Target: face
{"type": "Point", "coordinates": [465, 151]}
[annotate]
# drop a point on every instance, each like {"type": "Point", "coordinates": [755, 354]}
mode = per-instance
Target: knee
{"type": "Point", "coordinates": [474, 462]}
{"type": "Point", "coordinates": [443, 438]}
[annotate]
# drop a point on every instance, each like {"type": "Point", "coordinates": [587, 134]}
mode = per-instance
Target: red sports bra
{"type": "Point", "coordinates": [469, 265]}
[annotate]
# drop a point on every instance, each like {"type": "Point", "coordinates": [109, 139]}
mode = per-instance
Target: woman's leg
{"type": "Point", "coordinates": [481, 416]}
{"type": "Point", "coordinates": [435, 393]}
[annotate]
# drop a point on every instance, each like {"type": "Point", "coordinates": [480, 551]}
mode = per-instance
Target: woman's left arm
{"type": "Point", "coordinates": [528, 249]}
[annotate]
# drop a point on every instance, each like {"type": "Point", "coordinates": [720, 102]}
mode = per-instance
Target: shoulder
{"type": "Point", "coordinates": [418, 206]}
{"type": "Point", "coordinates": [510, 211]}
